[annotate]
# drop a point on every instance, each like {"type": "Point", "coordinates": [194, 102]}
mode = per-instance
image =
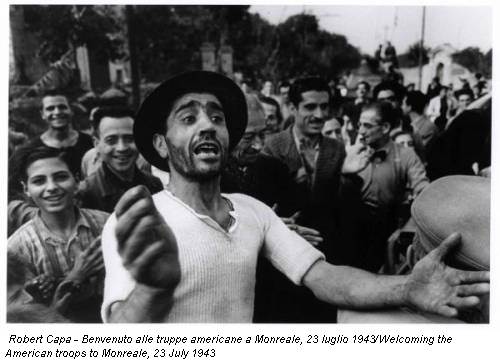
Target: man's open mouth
{"type": "Point", "coordinates": [211, 148]}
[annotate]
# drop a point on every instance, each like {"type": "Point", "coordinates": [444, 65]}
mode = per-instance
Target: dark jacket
{"type": "Point", "coordinates": [102, 189]}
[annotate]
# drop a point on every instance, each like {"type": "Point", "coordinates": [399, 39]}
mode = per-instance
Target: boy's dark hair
{"type": "Point", "coordinates": [113, 112]}
{"type": "Point", "coordinates": [26, 156]}
{"type": "Point", "coordinates": [306, 84]}
{"type": "Point", "coordinates": [386, 111]}
{"type": "Point", "coordinates": [417, 101]}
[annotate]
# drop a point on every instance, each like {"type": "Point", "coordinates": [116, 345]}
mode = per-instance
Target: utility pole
{"type": "Point", "coordinates": [420, 53]}
{"type": "Point", "coordinates": [134, 66]}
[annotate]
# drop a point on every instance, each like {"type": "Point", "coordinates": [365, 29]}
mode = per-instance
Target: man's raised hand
{"type": "Point", "coordinates": [146, 243]}
{"type": "Point", "coordinates": [437, 288]}
{"type": "Point", "coordinates": [357, 158]}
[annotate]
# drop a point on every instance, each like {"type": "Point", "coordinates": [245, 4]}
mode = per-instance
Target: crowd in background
{"type": "Point", "coordinates": [299, 155]}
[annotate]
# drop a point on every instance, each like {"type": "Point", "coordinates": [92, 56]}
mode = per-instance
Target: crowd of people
{"type": "Point", "coordinates": [88, 243]}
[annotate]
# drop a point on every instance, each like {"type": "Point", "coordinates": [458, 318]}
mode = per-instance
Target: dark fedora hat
{"type": "Point", "coordinates": [456, 204]}
{"type": "Point", "coordinates": [154, 110]}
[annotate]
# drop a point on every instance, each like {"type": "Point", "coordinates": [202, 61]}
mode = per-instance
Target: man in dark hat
{"type": "Point", "coordinates": [188, 254]}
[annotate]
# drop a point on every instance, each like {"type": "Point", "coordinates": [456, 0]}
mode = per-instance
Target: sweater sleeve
{"type": "Point", "coordinates": [287, 251]}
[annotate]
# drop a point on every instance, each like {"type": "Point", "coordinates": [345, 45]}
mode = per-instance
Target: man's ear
{"type": "Point", "coordinates": [160, 145]}
{"type": "Point", "coordinates": [386, 128]}
{"type": "Point", "coordinates": [96, 140]}
{"type": "Point", "coordinates": [25, 188]}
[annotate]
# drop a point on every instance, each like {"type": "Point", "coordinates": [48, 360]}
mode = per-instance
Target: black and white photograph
{"type": "Point", "coordinates": [266, 164]}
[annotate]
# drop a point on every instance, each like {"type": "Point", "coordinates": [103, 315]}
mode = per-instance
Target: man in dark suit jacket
{"type": "Point", "coordinates": [320, 167]}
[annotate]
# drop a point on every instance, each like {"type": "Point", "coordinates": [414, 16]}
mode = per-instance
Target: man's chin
{"type": "Point", "coordinates": [204, 175]}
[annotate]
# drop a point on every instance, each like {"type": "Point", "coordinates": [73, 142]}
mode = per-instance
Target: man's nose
{"type": "Point", "coordinates": [319, 113]}
{"type": "Point", "coordinates": [204, 120]}
{"type": "Point", "coordinates": [121, 145]}
{"type": "Point", "coordinates": [51, 185]}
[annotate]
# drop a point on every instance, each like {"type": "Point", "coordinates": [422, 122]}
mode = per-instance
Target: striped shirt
{"type": "Point", "coordinates": [46, 253]}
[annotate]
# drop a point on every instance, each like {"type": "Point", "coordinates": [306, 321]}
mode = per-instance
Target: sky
{"type": "Point", "coordinates": [367, 26]}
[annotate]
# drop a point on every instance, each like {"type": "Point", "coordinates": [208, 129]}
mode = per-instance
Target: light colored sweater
{"type": "Point", "coordinates": [217, 266]}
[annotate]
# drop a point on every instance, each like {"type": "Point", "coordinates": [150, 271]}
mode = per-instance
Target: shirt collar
{"type": "Point", "coordinates": [233, 223]}
{"type": "Point", "coordinates": [47, 235]}
{"type": "Point", "coordinates": [299, 139]}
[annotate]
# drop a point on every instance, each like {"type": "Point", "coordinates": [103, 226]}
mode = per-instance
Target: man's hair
{"type": "Point", "coordinates": [388, 85]}
{"type": "Point", "coordinates": [273, 102]}
{"type": "Point", "coordinates": [462, 92]}
{"type": "Point", "coordinates": [113, 112]}
{"type": "Point", "coordinates": [386, 111]}
{"type": "Point", "coordinates": [53, 93]}
{"type": "Point", "coordinates": [26, 156]}
{"type": "Point", "coordinates": [365, 83]}
{"type": "Point", "coordinates": [417, 101]}
{"type": "Point", "coordinates": [306, 84]}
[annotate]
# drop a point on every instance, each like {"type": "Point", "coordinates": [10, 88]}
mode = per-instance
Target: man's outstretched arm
{"type": "Point", "coordinates": [431, 287]}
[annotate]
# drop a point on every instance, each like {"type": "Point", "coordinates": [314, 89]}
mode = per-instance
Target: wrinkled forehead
{"type": "Point", "coordinates": [45, 165]}
{"type": "Point", "coordinates": [189, 100]}
{"type": "Point", "coordinates": [370, 115]}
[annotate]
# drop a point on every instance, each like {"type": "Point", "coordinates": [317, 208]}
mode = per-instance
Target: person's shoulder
{"type": "Point", "coordinates": [428, 124]}
{"type": "Point", "coordinates": [34, 142]}
{"type": "Point", "coordinates": [98, 215]}
{"type": "Point", "coordinates": [270, 163]}
{"type": "Point", "coordinates": [279, 138]}
{"type": "Point", "coordinates": [20, 236]}
{"type": "Point", "coordinates": [405, 153]}
{"type": "Point", "coordinates": [242, 200]}
{"type": "Point", "coordinates": [89, 183]}
{"type": "Point", "coordinates": [154, 183]}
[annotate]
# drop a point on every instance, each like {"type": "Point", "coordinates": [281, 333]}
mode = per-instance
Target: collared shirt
{"type": "Point", "coordinates": [308, 151]}
{"type": "Point", "coordinates": [103, 188]}
{"type": "Point", "coordinates": [47, 253]}
{"type": "Point", "coordinates": [44, 252]}
{"type": "Point", "coordinates": [392, 168]}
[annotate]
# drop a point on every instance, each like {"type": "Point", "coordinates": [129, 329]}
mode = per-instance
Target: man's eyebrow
{"type": "Point", "coordinates": [215, 106]}
{"type": "Point", "coordinates": [193, 103]}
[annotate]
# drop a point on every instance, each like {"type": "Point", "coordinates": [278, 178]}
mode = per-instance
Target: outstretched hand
{"type": "Point", "coordinates": [146, 243]}
{"type": "Point", "coordinates": [437, 288]}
